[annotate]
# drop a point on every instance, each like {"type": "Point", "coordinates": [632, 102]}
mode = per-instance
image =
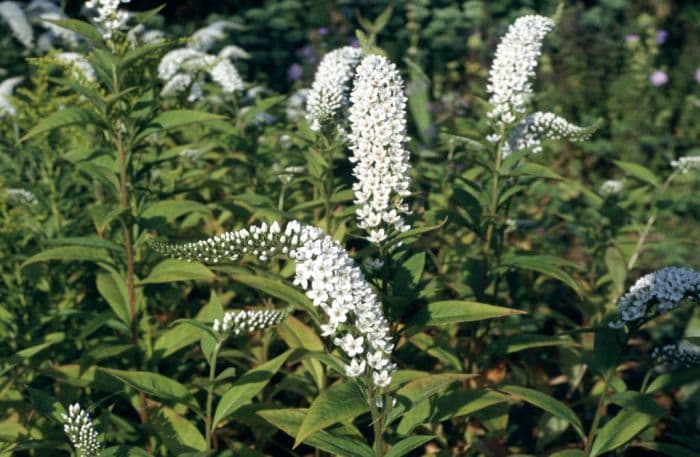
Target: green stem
{"type": "Point", "coordinates": [208, 426]}
{"type": "Point", "coordinates": [377, 426]}
{"type": "Point", "coordinates": [598, 415]}
{"type": "Point", "coordinates": [328, 185]}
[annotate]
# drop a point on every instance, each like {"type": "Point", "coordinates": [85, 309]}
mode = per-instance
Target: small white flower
{"type": "Point", "coordinates": [351, 345]}
{"type": "Point", "coordinates": [109, 17]}
{"type": "Point", "coordinates": [381, 378]}
{"type": "Point", "coordinates": [687, 163]}
{"type": "Point", "coordinates": [80, 67]}
{"type": "Point", "coordinates": [247, 321]}
{"type": "Point", "coordinates": [355, 368]}
{"type": "Point", "coordinates": [81, 432]}
{"type": "Point", "coordinates": [611, 187]}
{"type": "Point", "coordinates": [536, 127]}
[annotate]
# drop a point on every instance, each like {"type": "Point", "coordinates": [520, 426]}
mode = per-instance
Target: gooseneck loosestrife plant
{"type": "Point", "coordinates": [365, 283]}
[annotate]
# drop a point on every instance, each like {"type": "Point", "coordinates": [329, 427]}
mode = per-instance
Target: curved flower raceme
{"type": "Point", "coordinates": [378, 143]}
{"type": "Point", "coordinates": [81, 432]}
{"type": "Point", "coordinates": [663, 290]}
{"type": "Point", "coordinates": [205, 38]}
{"type": "Point", "coordinates": [540, 126]}
{"type": "Point", "coordinates": [247, 321]}
{"type": "Point", "coordinates": [7, 87]}
{"type": "Point", "coordinates": [330, 279]}
{"type": "Point", "coordinates": [109, 16]}
{"type": "Point", "coordinates": [682, 355]}
{"type": "Point", "coordinates": [328, 96]}
{"type": "Point", "coordinates": [17, 21]}
{"type": "Point", "coordinates": [510, 86]}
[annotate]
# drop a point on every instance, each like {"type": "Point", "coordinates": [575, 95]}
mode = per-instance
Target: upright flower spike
{"type": "Point", "coordinates": [514, 65]}
{"type": "Point", "coordinates": [660, 291]}
{"type": "Point", "coordinates": [330, 279]}
{"type": "Point", "coordinates": [328, 96]}
{"type": "Point", "coordinates": [378, 143]}
{"type": "Point", "coordinates": [109, 17]}
{"type": "Point", "coordinates": [81, 432]}
{"type": "Point", "coordinates": [540, 126]}
{"type": "Point", "coordinates": [247, 321]}
{"type": "Point", "coordinates": [7, 87]}
{"type": "Point", "coordinates": [13, 14]}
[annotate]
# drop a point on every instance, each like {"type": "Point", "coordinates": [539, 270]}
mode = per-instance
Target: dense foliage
{"type": "Point", "coordinates": [427, 228]}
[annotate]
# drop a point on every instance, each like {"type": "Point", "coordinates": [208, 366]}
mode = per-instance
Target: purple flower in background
{"type": "Point", "coordinates": [354, 43]}
{"type": "Point", "coordinates": [697, 75]}
{"type": "Point", "coordinates": [658, 78]}
{"type": "Point", "coordinates": [323, 31]}
{"type": "Point", "coordinates": [307, 52]}
{"type": "Point", "coordinates": [294, 72]}
{"type": "Point", "coordinates": [661, 36]}
{"type": "Point", "coordinates": [633, 38]}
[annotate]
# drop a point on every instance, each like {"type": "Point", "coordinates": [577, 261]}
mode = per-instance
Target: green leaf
{"type": "Point", "coordinates": [124, 451]}
{"type": "Point", "coordinates": [172, 209]}
{"type": "Point", "coordinates": [339, 403]}
{"type": "Point", "coordinates": [535, 170]}
{"type": "Point", "coordinates": [415, 232]}
{"type": "Point", "coordinates": [155, 385]}
{"type": "Point", "coordinates": [279, 289]}
{"type": "Point", "coordinates": [669, 449]}
{"type": "Point", "coordinates": [171, 270]}
{"type": "Point", "coordinates": [669, 381]}
{"type": "Point", "coordinates": [140, 52]}
{"type": "Point", "coordinates": [406, 445]}
{"type": "Point", "coordinates": [621, 429]}
{"type": "Point", "coordinates": [62, 118]}
{"type": "Point", "coordinates": [450, 312]}
{"type": "Point", "coordinates": [547, 265]}
{"type": "Point", "coordinates": [178, 433]}
{"type": "Point", "coordinates": [47, 405]}
{"type": "Point", "coordinates": [617, 267]}
{"type": "Point", "coordinates": [334, 441]}
{"type": "Point", "coordinates": [113, 289]}
{"type": "Point", "coordinates": [169, 120]}
{"type": "Point", "coordinates": [464, 403]}
{"type": "Point", "coordinates": [520, 342]}
{"type": "Point", "coordinates": [298, 335]}
{"type": "Point", "coordinates": [420, 389]}
{"type": "Point", "coordinates": [70, 253]}
{"type": "Point", "coordinates": [260, 107]}
{"type": "Point", "coordinates": [638, 171]}
{"type": "Point", "coordinates": [88, 242]}
{"type": "Point", "coordinates": [547, 403]}
{"type": "Point", "coordinates": [567, 453]}
{"type": "Point", "coordinates": [248, 386]}
{"type": "Point", "coordinates": [79, 27]}
{"type": "Point", "coordinates": [197, 324]}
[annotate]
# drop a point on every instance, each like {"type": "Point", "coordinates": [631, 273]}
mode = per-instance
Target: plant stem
{"type": "Point", "coordinates": [486, 246]}
{"type": "Point", "coordinates": [598, 414]}
{"type": "Point", "coordinates": [377, 425]}
{"type": "Point", "coordinates": [328, 185]}
{"type": "Point", "coordinates": [208, 426]}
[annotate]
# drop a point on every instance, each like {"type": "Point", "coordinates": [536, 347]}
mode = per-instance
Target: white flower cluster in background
{"type": "Point", "coordinates": [141, 35]}
{"type": "Point", "coordinates": [514, 65]}
{"type": "Point", "coordinates": [7, 87]}
{"type": "Point", "coordinates": [81, 432]}
{"type": "Point", "coordinates": [330, 279]}
{"type": "Point", "coordinates": [109, 17]}
{"type": "Point", "coordinates": [611, 187]}
{"type": "Point", "coordinates": [247, 321]}
{"type": "Point", "coordinates": [16, 19]}
{"type": "Point", "coordinates": [378, 143]}
{"type": "Point", "coordinates": [46, 11]}
{"type": "Point", "coordinates": [20, 197]}
{"type": "Point", "coordinates": [683, 355]}
{"type": "Point", "coordinates": [328, 97]}
{"type": "Point", "coordinates": [687, 163]}
{"type": "Point", "coordinates": [540, 126]}
{"type": "Point", "coordinates": [663, 289]}
{"type": "Point", "coordinates": [182, 68]}
{"type": "Point", "coordinates": [206, 37]}
{"type": "Point", "coordinates": [296, 105]}
{"type": "Point", "coordinates": [78, 64]}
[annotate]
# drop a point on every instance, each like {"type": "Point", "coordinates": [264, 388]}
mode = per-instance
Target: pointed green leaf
{"type": "Point", "coordinates": [178, 433]}
{"type": "Point", "coordinates": [547, 265]}
{"type": "Point", "coordinates": [339, 403]}
{"type": "Point", "coordinates": [450, 312]}
{"type": "Point", "coordinates": [248, 386]}
{"type": "Point", "coordinates": [155, 385]}
{"type": "Point", "coordinates": [547, 403]}
{"type": "Point", "coordinates": [69, 253]}
{"type": "Point", "coordinates": [62, 118]}
{"type": "Point", "coordinates": [638, 171]}
{"type": "Point", "coordinates": [406, 445]}
{"type": "Point", "coordinates": [171, 270]}
{"type": "Point", "coordinates": [113, 289]}
{"type": "Point", "coordinates": [79, 27]}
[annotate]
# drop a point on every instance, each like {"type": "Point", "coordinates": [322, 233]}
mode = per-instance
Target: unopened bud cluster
{"type": "Point", "coordinates": [328, 97]}
{"type": "Point", "coordinates": [247, 321]}
{"type": "Point", "coordinates": [81, 432]}
{"type": "Point", "coordinates": [660, 291]}
{"type": "Point", "coordinates": [330, 279]}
